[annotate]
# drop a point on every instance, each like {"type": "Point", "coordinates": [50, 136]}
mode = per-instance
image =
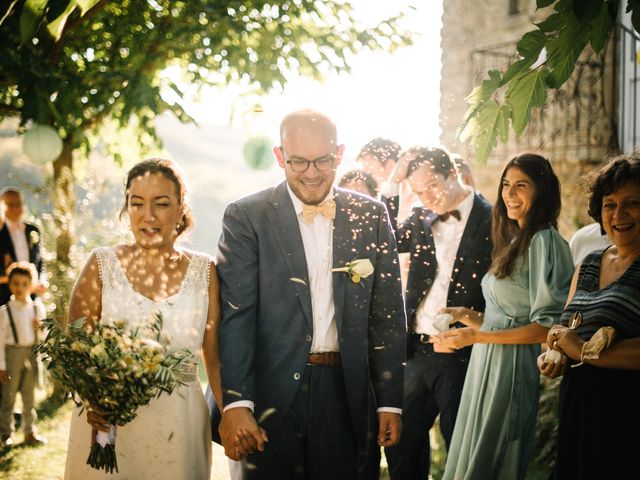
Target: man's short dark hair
{"type": "Point", "coordinates": [358, 175]}
{"type": "Point", "coordinates": [382, 149]}
{"type": "Point", "coordinates": [436, 158]}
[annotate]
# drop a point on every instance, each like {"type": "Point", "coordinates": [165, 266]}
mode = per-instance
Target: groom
{"type": "Point", "coordinates": [308, 354]}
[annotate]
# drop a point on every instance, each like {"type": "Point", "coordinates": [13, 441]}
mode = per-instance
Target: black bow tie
{"type": "Point", "coordinates": [453, 213]}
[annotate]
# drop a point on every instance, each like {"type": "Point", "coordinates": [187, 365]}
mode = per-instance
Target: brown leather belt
{"type": "Point", "coordinates": [326, 359]}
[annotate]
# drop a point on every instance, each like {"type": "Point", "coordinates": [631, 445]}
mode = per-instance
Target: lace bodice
{"type": "Point", "coordinates": [184, 313]}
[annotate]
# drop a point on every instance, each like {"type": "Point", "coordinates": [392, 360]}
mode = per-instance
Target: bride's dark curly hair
{"type": "Point", "coordinates": [509, 241]}
{"type": "Point", "coordinates": [171, 171]}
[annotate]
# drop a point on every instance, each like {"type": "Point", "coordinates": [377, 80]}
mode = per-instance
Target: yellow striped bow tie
{"type": "Point", "coordinates": [327, 209]}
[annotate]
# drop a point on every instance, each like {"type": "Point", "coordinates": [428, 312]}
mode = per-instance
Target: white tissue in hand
{"type": "Point", "coordinates": [552, 356]}
{"type": "Point", "coordinates": [441, 321]}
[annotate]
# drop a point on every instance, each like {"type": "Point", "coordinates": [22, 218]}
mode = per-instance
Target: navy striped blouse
{"type": "Point", "coordinates": [617, 305]}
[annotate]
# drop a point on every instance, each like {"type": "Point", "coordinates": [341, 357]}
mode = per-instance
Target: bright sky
{"type": "Point", "coordinates": [390, 95]}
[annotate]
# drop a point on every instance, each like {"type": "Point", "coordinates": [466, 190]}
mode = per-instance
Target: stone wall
{"type": "Point", "coordinates": [574, 129]}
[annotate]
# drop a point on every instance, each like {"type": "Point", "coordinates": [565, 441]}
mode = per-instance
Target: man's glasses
{"type": "Point", "coordinates": [322, 164]}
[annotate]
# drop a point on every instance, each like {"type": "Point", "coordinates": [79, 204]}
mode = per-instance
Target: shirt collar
{"type": "Point", "coordinates": [466, 204]}
{"type": "Point", "coordinates": [27, 303]}
{"type": "Point", "coordinates": [14, 226]}
{"type": "Point", "coordinates": [299, 204]}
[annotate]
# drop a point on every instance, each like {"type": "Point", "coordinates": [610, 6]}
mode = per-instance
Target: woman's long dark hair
{"type": "Point", "coordinates": [509, 241]}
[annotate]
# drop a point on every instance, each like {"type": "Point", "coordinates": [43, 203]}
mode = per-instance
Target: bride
{"type": "Point", "coordinates": [171, 436]}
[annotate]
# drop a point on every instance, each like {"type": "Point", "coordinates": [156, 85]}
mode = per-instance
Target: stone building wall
{"type": "Point", "coordinates": [574, 130]}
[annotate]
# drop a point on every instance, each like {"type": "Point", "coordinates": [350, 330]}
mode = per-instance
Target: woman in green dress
{"type": "Point", "coordinates": [525, 291]}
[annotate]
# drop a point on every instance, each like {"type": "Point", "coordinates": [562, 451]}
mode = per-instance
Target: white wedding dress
{"type": "Point", "coordinates": [171, 437]}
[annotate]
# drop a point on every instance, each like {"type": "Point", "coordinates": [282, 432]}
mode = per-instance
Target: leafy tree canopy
{"type": "Point", "coordinates": [547, 58]}
{"type": "Point", "coordinates": [75, 63]}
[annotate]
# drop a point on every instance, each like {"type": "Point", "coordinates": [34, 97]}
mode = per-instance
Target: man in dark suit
{"type": "Point", "coordinates": [449, 240]}
{"type": "Point", "coordinates": [312, 334]}
{"type": "Point", "coordinates": [19, 241]}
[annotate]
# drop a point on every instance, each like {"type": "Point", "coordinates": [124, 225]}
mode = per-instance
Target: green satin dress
{"type": "Point", "coordinates": [495, 426]}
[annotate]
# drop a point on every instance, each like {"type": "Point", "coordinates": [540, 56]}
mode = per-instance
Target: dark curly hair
{"type": "Point", "coordinates": [381, 148]}
{"type": "Point", "coordinates": [358, 175]}
{"type": "Point", "coordinates": [509, 241]}
{"type": "Point", "coordinates": [615, 173]}
{"type": "Point", "coordinates": [437, 158]}
{"type": "Point", "coordinates": [171, 171]}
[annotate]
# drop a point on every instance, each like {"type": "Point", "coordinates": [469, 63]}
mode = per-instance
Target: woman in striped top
{"type": "Point", "coordinates": [599, 409]}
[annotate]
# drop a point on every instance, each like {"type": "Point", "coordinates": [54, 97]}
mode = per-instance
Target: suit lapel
{"type": "Point", "coordinates": [9, 242]}
{"type": "Point", "coordinates": [284, 222]}
{"type": "Point", "coordinates": [342, 253]}
{"type": "Point", "coordinates": [466, 243]}
{"type": "Point", "coordinates": [422, 267]}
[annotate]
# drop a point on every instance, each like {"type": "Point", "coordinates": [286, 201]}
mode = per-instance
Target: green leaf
{"type": "Point", "coordinates": [602, 25]}
{"type": "Point", "coordinates": [57, 25]}
{"type": "Point", "coordinates": [491, 122]}
{"type": "Point", "coordinates": [531, 43]}
{"type": "Point", "coordinates": [633, 6]}
{"type": "Point", "coordinates": [562, 64]}
{"type": "Point", "coordinates": [586, 11]}
{"type": "Point", "coordinates": [553, 22]}
{"type": "Point", "coordinates": [564, 49]}
{"type": "Point", "coordinates": [479, 95]}
{"type": "Point", "coordinates": [523, 94]}
{"type": "Point", "coordinates": [86, 5]}
{"type": "Point", "coordinates": [30, 18]}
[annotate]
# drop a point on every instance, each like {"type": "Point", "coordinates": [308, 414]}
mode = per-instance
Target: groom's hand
{"type": "Point", "coordinates": [389, 429]}
{"type": "Point", "coordinates": [240, 433]}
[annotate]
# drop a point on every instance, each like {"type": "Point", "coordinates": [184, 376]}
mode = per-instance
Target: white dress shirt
{"type": "Point", "coordinates": [19, 239]}
{"type": "Point", "coordinates": [317, 240]}
{"type": "Point", "coordinates": [23, 314]}
{"type": "Point", "coordinates": [586, 240]}
{"type": "Point", "coordinates": [446, 237]}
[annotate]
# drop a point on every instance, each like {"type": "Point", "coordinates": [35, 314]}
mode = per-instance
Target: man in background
{"type": "Point", "coordinates": [448, 239]}
{"type": "Point", "coordinates": [19, 241]}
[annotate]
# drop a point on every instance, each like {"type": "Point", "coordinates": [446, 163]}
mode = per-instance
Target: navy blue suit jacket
{"type": "Point", "coordinates": [472, 259]}
{"type": "Point", "coordinates": [267, 323]}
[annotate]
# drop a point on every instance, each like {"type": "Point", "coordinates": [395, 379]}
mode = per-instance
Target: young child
{"type": "Point", "coordinates": [19, 324]}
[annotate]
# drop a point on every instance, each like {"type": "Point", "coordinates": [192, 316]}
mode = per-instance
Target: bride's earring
{"type": "Point", "coordinates": [181, 224]}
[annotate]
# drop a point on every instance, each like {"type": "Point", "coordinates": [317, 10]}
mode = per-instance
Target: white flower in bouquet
{"type": "Point", "coordinates": [114, 369]}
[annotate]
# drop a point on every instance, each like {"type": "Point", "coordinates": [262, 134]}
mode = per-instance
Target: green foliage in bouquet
{"type": "Point", "coordinates": [114, 369]}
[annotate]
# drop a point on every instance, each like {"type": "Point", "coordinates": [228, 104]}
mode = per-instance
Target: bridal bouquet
{"type": "Point", "coordinates": [114, 369]}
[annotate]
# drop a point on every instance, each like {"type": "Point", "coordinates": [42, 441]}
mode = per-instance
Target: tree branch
{"type": "Point", "coordinates": [56, 49]}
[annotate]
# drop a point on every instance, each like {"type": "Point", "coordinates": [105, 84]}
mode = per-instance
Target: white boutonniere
{"type": "Point", "coordinates": [357, 269]}
{"type": "Point", "coordinates": [34, 238]}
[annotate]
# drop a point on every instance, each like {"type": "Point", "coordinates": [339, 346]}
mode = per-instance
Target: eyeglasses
{"type": "Point", "coordinates": [322, 164]}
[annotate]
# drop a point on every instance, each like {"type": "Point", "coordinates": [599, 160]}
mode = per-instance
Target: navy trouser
{"type": "Point", "coordinates": [432, 386]}
{"type": "Point", "coordinates": [316, 439]}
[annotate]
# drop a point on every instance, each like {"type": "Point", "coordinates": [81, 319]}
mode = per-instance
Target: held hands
{"type": "Point", "coordinates": [240, 433]}
{"type": "Point", "coordinates": [389, 429]}
{"type": "Point", "coordinates": [3, 376]}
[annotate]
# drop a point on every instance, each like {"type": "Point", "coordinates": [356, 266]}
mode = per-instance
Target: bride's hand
{"type": "Point", "coordinates": [96, 419]}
